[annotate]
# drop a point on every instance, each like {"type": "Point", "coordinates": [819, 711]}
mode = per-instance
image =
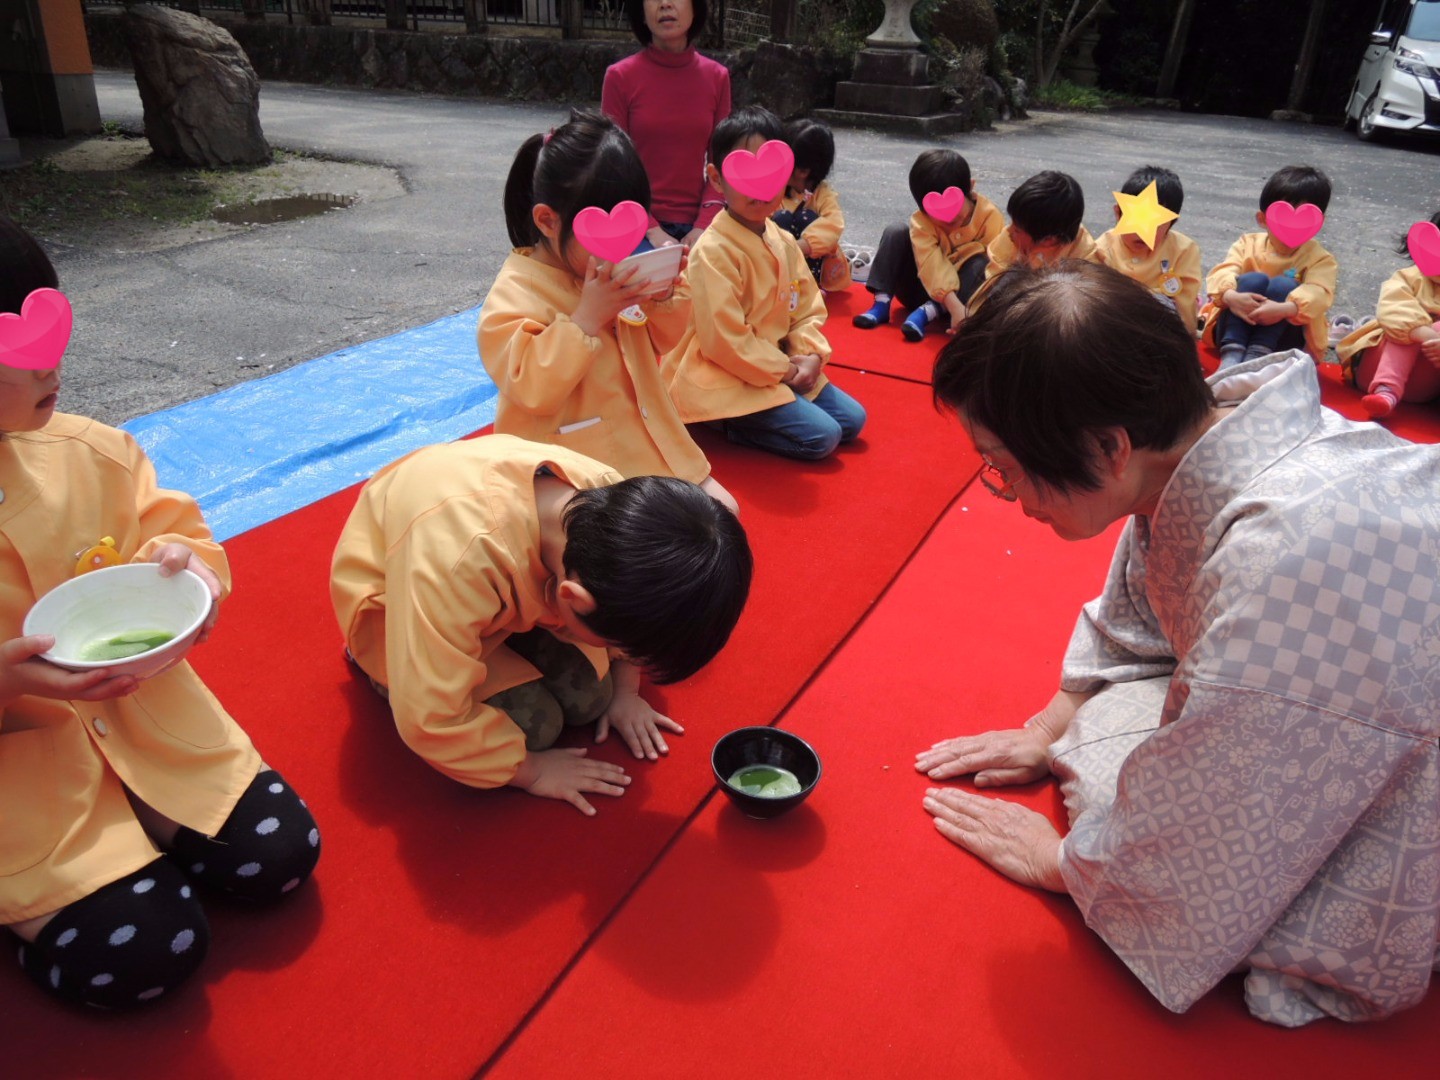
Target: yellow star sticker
{"type": "Point", "coordinates": [1142, 214]}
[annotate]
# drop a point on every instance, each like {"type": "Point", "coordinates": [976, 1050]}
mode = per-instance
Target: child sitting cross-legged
{"type": "Point", "coordinates": [810, 209]}
{"type": "Point", "coordinates": [1266, 295]}
{"type": "Point", "coordinates": [1171, 268]}
{"type": "Point", "coordinates": [1045, 227]}
{"type": "Point", "coordinates": [497, 591]}
{"type": "Point", "coordinates": [752, 362]}
{"type": "Point", "coordinates": [933, 266]}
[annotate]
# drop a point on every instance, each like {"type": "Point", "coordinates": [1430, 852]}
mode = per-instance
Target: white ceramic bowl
{"type": "Point", "coordinates": [657, 266]}
{"type": "Point", "coordinates": [103, 604]}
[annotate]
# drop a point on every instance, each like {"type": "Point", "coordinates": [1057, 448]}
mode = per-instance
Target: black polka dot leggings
{"type": "Point", "coordinates": [135, 939]}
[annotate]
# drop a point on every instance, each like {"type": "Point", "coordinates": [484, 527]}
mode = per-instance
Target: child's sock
{"type": "Point", "coordinates": [879, 313]}
{"type": "Point", "coordinates": [1381, 401]}
{"type": "Point", "coordinates": [915, 323]}
{"type": "Point", "coordinates": [1231, 355]}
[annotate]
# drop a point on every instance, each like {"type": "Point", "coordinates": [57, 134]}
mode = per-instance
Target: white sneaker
{"type": "Point", "coordinates": [860, 260]}
{"type": "Point", "coordinates": [1341, 327]}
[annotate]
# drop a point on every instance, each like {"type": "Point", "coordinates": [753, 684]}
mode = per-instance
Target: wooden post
{"type": "Point", "coordinates": [572, 16]}
{"type": "Point", "coordinates": [1300, 83]}
{"type": "Point", "coordinates": [254, 10]}
{"type": "Point", "coordinates": [475, 16]}
{"type": "Point", "coordinates": [394, 14]}
{"type": "Point", "coordinates": [1179, 32]}
{"type": "Point", "coordinates": [782, 19]}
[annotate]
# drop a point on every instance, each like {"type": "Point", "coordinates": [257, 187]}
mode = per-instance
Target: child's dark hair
{"type": "Point", "coordinates": [814, 148]}
{"type": "Point", "coordinates": [1057, 355]}
{"type": "Point", "coordinates": [741, 125]}
{"type": "Point", "coordinates": [1402, 246]}
{"type": "Point", "coordinates": [1297, 185]}
{"type": "Point", "coordinates": [588, 161]}
{"type": "Point", "coordinates": [668, 566]}
{"type": "Point", "coordinates": [1167, 186]}
{"type": "Point", "coordinates": [636, 10]}
{"type": "Point", "coordinates": [1048, 206]}
{"type": "Point", "coordinates": [936, 170]}
{"type": "Point", "coordinates": [24, 267]}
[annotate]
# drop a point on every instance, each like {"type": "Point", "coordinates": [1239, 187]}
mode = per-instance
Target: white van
{"type": "Point", "coordinates": [1398, 86]}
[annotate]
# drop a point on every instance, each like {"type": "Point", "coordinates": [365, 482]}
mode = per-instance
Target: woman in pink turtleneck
{"type": "Point", "coordinates": [669, 98]}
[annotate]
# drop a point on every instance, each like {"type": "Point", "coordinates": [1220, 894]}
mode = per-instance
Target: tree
{"type": "Point", "coordinates": [1070, 31]}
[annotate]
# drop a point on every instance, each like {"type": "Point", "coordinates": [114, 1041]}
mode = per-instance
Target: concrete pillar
{"type": "Point", "coordinates": [45, 69]}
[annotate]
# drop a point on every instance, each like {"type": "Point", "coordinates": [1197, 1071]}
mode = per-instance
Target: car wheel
{"type": "Point", "coordinates": [1365, 127]}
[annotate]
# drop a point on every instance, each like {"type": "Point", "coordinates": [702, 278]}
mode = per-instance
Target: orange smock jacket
{"type": "Point", "coordinates": [941, 249]}
{"type": "Point", "coordinates": [1315, 270]}
{"type": "Point", "coordinates": [756, 305]}
{"type": "Point", "coordinates": [824, 232]}
{"type": "Point", "coordinates": [437, 566]}
{"type": "Point", "coordinates": [1003, 255]}
{"type": "Point", "coordinates": [1408, 301]}
{"type": "Point", "coordinates": [66, 827]}
{"type": "Point", "coordinates": [599, 396]}
{"type": "Point", "coordinates": [1172, 270]}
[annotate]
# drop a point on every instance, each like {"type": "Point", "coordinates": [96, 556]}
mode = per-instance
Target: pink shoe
{"type": "Point", "coordinates": [1379, 403]}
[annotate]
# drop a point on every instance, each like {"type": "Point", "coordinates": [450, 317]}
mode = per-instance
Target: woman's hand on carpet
{"type": "Point", "coordinates": [568, 774]}
{"type": "Point", "coordinates": [1012, 756]}
{"type": "Point", "coordinates": [1016, 841]}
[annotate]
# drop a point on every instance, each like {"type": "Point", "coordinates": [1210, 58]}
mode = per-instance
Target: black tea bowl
{"type": "Point", "coordinates": [765, 746]}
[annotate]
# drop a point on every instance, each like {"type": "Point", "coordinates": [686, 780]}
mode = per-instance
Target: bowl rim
{"type": "Point", "coordinates": [768, 729]}
{"type": "Point", "coordinates": [95, 665]}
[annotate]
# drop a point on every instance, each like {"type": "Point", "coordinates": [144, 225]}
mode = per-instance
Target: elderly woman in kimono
{"type": "Point", "coordinates": [1245, 729]}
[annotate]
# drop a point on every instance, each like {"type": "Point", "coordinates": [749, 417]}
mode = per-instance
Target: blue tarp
{"type": "Point", "coordinates": [261, 449]}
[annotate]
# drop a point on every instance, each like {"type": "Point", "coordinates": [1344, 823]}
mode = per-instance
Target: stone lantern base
{"type": "Point", "coordinates": [892, 91]}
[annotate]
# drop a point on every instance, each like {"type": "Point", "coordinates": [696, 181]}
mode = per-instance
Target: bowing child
{"type": "Point", "coordinates": [810, 209]}
{"type": "Point", "coordinates": [1397, 357]}
{"type": "Point", "coordinates": [121, 799]}
{"type": "Point", "coordinates": [1170, 267]}
{"type": "Point", "coordinates": [572, 342]}
{"type": "Point", "coordinates": [1046, 214]}
{"type": "Point", "coordinates": [752, 361]}
{"type": "Point", "coordinates": [497, 591]}
{"type": "Point", "coordinates": [933, 266]}
{"type": "Point", "coordinates": [1268, 295]}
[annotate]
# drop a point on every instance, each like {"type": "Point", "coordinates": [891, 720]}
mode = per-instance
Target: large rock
{"type": "Point", "coordinates": [201, 96]}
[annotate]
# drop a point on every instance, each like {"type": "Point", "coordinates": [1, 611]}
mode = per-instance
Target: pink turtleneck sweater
{"type": "Point", "coordinates": [669, 103]}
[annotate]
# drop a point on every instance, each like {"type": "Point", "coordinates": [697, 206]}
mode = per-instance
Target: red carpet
{"type": "Point", "coordinates": [440, 915]}
{"type": "Point", "coordinates": [850, 940]}
{"type": "Point", "coordinates": [881, 350]}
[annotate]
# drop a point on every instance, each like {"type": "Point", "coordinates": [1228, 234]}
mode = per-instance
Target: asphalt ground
{"type": "Point", "coordinates": [156, 329]}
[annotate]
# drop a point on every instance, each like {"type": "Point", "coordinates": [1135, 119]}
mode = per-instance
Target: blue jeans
{"type": "Point", "coordinates": [1233, 330]}
{"type": "Point", "coordinates": [808, 430]}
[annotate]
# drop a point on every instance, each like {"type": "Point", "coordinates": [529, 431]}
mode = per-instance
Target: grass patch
{"type": "Point", "coordinates": [1063, 94]}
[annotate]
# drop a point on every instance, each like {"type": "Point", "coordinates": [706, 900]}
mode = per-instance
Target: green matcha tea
{"type": "Point", "coordinates": [125, 645]}
{"type": "Point", "coordinates": [765, 781]}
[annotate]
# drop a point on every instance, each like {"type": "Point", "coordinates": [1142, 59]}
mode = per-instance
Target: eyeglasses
{"type": "Point", "coordinates": [995, 480]}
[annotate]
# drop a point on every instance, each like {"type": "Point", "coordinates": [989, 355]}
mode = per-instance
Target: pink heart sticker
{"type": "Point", "coordinates": [1423, 242]}
{"type": "Point", "coordinates": [945, 207]}
{"type": "Point", "coordinates": [611, 236]}
{"type": "Point", "coordinates": [35, 339]}
{"type": "Point", "coordinates": [761, 175]}
{"type": "Point", "coordinates": [1293, 225]}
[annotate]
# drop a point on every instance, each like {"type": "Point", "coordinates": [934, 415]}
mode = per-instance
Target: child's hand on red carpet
{"type": "Point", "coordinates": [22, 672]}
{"type": "Point", "coordinates": [1012, 756]}
{"type": "Point", "coordinates": [568, 774]}
{"type": "Point", "coordinates": [638, 724]}
{"type": "Point", "coordinates": [955, 308]}
{"type": "Point", "coordinates": [175, 557]}
{"type": "Point", "coordinates": [1431, 350]}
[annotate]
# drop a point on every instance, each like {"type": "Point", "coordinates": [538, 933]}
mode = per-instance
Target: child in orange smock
{"type": "Point", "coordinates": [752, 361]}
{"type": "Point", "coordinates": [931, 266]}
{"type": "Point", "coordinates": [116, 795]}
{"type": "Point", "coordinates": [1266, 296]}
{"type": "Point", "coordinates": [1046, 214]}
{"type": "Point", "coordinates": [1170, 269]}
{"type": "Point", "coordinates": [1397, 357]}
{"type": "Point", "coordinates": [480, 584]}
{"type": "Point", "coordinates": [571, 342]}
{"type": "Point", "coordinates": [810, 209]}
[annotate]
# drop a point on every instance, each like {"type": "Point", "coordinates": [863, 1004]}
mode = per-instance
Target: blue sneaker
{"type": "Point", "coordinates": [878, 315]}
{"type": "Point", "coordinates": [915, 322]}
